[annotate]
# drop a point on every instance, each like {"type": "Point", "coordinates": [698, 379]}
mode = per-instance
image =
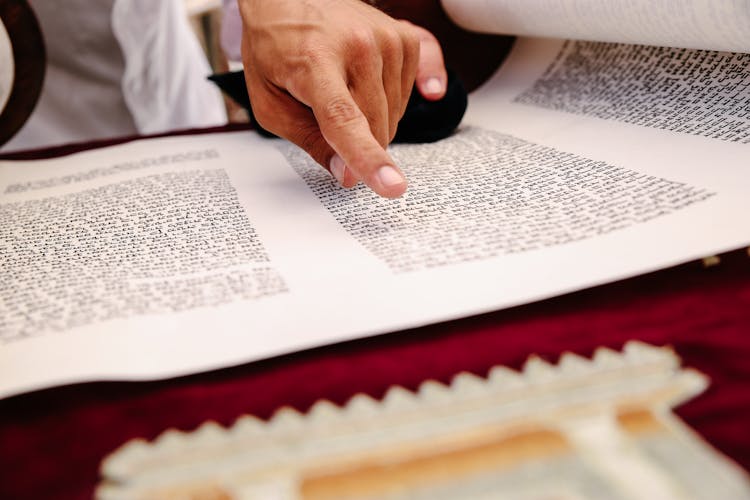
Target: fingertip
{"type": "Point", "coordinates": [350, 179]}
{"type": "Point", "coordinates": [336, 167]}
{"type": "Point", "coordinates": [343, 174]}
{"type": "Point", "coordinates": [432, 78]}
{"type": "Point", "coordinates": [432, 88]}
{"type": "Point", "coordinates": [389, 182]}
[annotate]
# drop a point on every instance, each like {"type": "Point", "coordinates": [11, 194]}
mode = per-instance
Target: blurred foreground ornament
{"type": "Point", "coordinates": [599, 428]}
{"type": "Point", "coordinates": [22, 66]}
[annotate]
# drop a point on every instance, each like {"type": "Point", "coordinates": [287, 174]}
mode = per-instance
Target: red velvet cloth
{"type": "Point", "coordinates": [51, 441]}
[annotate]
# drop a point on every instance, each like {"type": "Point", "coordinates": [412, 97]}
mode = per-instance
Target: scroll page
{"type": "Point", "coordinates": [169, 256]}
{"type": "Point", "coordinates": [697, 24]}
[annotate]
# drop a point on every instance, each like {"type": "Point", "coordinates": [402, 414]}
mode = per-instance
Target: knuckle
{"type": "Point", "coordinates": [308, 56]}
{"type": "Point", "coordinates": [340, 112]}
{"type": "Point", "coordinates": [362, 43]}
{"type": "Point", "coordinates": [298, 63]}
{"type": "Point", "coordinates": [391, 43]}
{"type": "Point", "coordinates": [411, 43]}
{"type": "Point", "coordinates": [301, 66]}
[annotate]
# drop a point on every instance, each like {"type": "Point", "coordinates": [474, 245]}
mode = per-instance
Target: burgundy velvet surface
{"type": "Point", "coordinates": [51, 441]}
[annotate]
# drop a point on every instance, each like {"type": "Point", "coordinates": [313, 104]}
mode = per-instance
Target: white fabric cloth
{"type": "Point", "coordinates": [165, 83]}
{"type": "Point", "coordinates": [231, 30]}
{"type": "Point", "coordinates": [118, 67]}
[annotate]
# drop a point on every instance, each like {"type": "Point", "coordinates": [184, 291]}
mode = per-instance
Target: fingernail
{"type": "Point", "coordinates": [433, 86]}
{"type": "Point", "coordinates": [337, 167]}
{"type": "Point", "coordinates": [389, 176]}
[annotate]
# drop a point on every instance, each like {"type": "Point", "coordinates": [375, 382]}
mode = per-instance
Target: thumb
{"type": "Point", "coordinates": [432, 79]}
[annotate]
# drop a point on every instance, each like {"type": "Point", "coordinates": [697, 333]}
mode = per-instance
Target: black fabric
{"type": "Point", "coordinates": [423, 121]}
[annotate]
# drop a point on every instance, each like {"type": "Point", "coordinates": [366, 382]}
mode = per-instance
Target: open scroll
{"type": "Point", "coordinates": [692, 24]}
{"type": "Point", "coordinates": [578, 163]}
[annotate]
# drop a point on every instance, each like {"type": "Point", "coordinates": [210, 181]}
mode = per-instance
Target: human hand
{"type": "Point", "coordinates": [334, 77]}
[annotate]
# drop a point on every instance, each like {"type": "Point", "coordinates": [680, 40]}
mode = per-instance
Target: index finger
{"type": "Point", "coordinates": [346, 129]}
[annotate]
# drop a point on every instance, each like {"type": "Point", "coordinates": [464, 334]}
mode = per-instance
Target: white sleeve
{"type": "Point", "coordinates": [164, 84]}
